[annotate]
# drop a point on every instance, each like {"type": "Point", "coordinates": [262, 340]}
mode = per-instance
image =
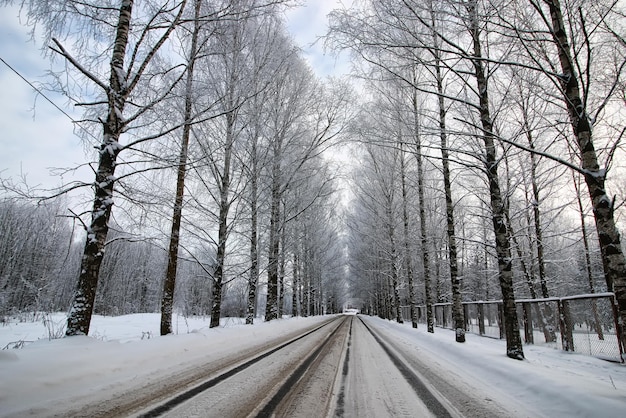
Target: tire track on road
{"type": "Point", "coordinates": [434, 401]}
{"type": "Point", "coordinates": [188, 394]}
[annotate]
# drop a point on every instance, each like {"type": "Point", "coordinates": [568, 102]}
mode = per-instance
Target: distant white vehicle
{"type": "Point", "coordinates": [350, 311]}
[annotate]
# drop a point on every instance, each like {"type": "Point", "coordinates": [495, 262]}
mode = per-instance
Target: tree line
{"type": "Point", "coordinates": [210, 134]}
{"type": "Point", "coordinates": [491, 130]}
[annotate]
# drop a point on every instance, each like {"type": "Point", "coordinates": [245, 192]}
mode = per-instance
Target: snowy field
{"type": "Point", "coordinates": [122, 349]}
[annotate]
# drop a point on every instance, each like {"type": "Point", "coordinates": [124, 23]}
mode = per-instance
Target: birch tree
{"type": "Point", "coordinates": [311, 219]}
{"type": "Point", "coordinates": [267, 59]}
{"type": "Point", "coordinates": [243, 53]}
{"type": "Point", "coordinates": [400, 22]}
{"type": "Point", "coordinates": [570, 56]}
{"type": "Point", "coordinates": [503, 249]}
{"type": "Point", "coordinates": [133, 48]}
{"type": "Point", "coordinates": [37, 256]}
{"type": "Point", "coordinates": [381, 201]}
{"type": "Point", "coordinates": [305, 117]}
{"type": "Point", "coordinates": [417, 142]}
{"type": "Point", "coordinates": [402, 48]}
{"type": "Point", "coordinates": [438, 69]}
{"type": "Point", "coordinates": [227, 75]}
{"type": "Point", "coordinates": [408, 259]}
{"type": "Point", "coordinates": [169, 284]}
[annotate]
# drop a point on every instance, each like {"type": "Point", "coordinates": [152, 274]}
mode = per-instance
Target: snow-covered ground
{"type": "Point", "coordinates": [549, 383]}
{"type": "Point", "coordinates": [122, 350]}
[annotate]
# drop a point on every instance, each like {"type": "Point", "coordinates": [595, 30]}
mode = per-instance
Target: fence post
{"type": "Point", "coordinates": [481, 319]}
{"type": "Point", "coordinates": [565, 321]}
{"type": "Point", "coordinates": [529, 338]}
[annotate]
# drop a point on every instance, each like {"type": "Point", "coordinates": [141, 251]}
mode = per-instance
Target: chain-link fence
{"type": "Point", "coordinates": [584, 324]}
{"type": "Point", "coordinates": [589, 325]}
{"type": "Point", "coordinates": [484, 318]}
{"type": "Point", "coordinates": [539, 320]}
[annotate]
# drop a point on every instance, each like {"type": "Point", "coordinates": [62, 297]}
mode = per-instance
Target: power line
{"type": "Point", "coordinates": [38, 91]}
{"type": "Point", "coordinates": [60, 110]}
{"type": "Point", "coordinates": [74, 121]}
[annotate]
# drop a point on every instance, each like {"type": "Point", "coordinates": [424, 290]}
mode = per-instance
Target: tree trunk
{"type": "Point", "coordinates": [408, 262]}
{"type": "Point", "coordinates": [306, 273]}
{"type": "Point", "coordinates": [393, 259]}
{"type": "Point", "coordinates": [295, 296]}
{"type": "Point", "coordinates": [169, 285]}
{"type": "Point", "coordinates": [537, 223]}
{"type": "Point", "coordinates": [430, 323]}
{"type": "Point", "coordinates": [546, 319]}
{"type": "Point", "coordinates": [547, 314]}
{"type": "Point", "coordinates": [271, 308]}
{"type": "Point", "coordinates": [588, 270]}
{"type": "Point", "coordinates": [254, 231]}
{"type": "Point", "coordinates": [220, 257]}
{"type": "Point", "coordinates": [281, 268]}
{"type": "Point", "coordinates": [79, 317]}
{"type": "Point", "coordinates": [613, 259]}
{"type": "Point", "coordinates": [457, 298]}
{"type": "Point", "coordinates": [514, 347]}
{"type": "Point", "coordinates": [486, 254]}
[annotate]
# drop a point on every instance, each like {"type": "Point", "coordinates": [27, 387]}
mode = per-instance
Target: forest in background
{"type": "Point", "coordinates": [476, 137]}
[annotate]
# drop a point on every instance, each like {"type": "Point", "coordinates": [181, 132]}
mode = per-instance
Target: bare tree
{"type": "Point", "coordinates": [169, 284]}
{"type": "Point", "coordinates": [503, 249]}
{"type": "Point", "coordinates": [569, 80]}
{"type": "Point", "coordinates": [417, 138]}
{"type": "Point", "coordinates": [127, 68]}
{"type": "Point", "coordinates": [243, 55]}
{"type": "Point", "coordinates": [408, 259]}
{"type": "Point", "coordinates": [403, 37]}
{"type": "Point", "coordinates": [267, 60]}
{"type": "Point", "coordinates": [378, 206]}
{"type": "Point", "coordinates": [587, 256]}
{"type": "Point", "coordinates": [305, 117]}
{"type": "Point", "coordinates": [457, 299]}
{"type": "Point", "coordinates": [38, 258]}
{"type": "Point", "coordinates": [229, 83]}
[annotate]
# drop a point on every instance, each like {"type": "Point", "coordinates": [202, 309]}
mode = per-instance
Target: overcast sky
{"type": "Point", "coordinates": [34, 136]}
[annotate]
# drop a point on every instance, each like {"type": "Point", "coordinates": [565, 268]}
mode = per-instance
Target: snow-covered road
{"type": "Point", "coordinates": [367, 367]}
{"type": "Point", "coordinates": [373, 386]}
{"type": "Point", "coordinates": [290, 380]}
{"type": "Point", "coordinates": [344, 368]}
{"type": "Point", "coordinates": [347, 368]}
{"type": "Point", "coordinates": [387, 379]}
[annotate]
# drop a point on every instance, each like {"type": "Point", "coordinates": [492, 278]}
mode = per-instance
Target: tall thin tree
{"type": "Point", "coordinates": [514, 347]}
{"type": "Point", "coordinates": [169, 284]}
